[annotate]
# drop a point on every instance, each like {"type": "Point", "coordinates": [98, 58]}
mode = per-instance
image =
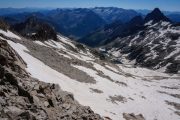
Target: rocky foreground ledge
{"type": "Point", "coordinates": [25, 98]}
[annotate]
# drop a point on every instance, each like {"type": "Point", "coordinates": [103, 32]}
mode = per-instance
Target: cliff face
{"type": "Point", "coordinates": [23, 97]}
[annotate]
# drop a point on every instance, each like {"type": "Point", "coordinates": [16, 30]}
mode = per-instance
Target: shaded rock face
{"type": "Point", "coordinates": [22, 97]}
{"type": "Point", "coordinates": [3, 25]}
{"type": "Point", "coordinates": [100, 36]}
{"type": "Point", "coordinates": [136, 21]}
{"type": "Point", "coordinates": [35, 29]}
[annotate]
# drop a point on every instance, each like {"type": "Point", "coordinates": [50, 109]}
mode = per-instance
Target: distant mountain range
{"type": "Point", "coordinates": [10, 11]}
{"type": "Point", "coordinates": [116, 29]}
{"type": "Point", "coordinates": [111, 14]}
{"type": "Point", "coordinates": [76, 22]}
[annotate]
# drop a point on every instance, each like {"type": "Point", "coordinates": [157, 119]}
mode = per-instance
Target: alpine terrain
{"type": "Point", "coordinates": [132, 73]}
{"type": "Point", "coordinates": [152, 42]}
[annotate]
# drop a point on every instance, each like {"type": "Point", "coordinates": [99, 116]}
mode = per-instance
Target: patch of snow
{"type": "Point", "coordinates": [141, 72]}
{"type": "Point", "coordinates": [153, 52]}
{"type": "Point", "coordinates": [80, 56]}
{"type": "Point", "coordinates": [162, 33]}
{"type": "Point", "coordinates": [148, 23]}
{"type": "Point", "coordinates": [136, 37]}
{"type": "Point", "coordinates": [109, 73]}
{"type": "Point", "coordinates": [116, 53]}
{"type": "Point", "coordinates": [102, 49]}
{"type": "Point", "coordinates": [33, 33]}
{"type": "Point", "coordinates": [40, 43]}
{"type": "Point", "coordinates": [55, 44]}
{"type": "Point", "coordinates": [144, 94]}
{"type": "Point", "coordinates": [142, 97]}
{"type": "Point", "coordinates": [154, 25]}
{"type": "Point", "coordinates": [164, 23]}
{"type": "Point", "coordinates": [2, 38]}
{"type": "Point", "coordinates": [66, 40]}
{"type": "Point", "coordinates": [112, 68]}
{"type": "Point", "coordinates": [9, 34]}
{"type": "Point", "coordinates": [176, 51]}
{"type": "Point", "coordinates": [173, 30]}
{"type": "Point", "coordinates": [86, 58]}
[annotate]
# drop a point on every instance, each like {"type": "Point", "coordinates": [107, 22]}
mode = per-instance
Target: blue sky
{"type": "Point", "coordinates": [171, 5]}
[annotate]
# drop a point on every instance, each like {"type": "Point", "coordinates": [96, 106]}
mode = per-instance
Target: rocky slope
{"type": "Point", "coordinates": [152, 42]}
{"type": "Point", "coordinates": [114, 91]}
{"type": "Point", "coordinates": [24, 97]}
{"type": "Point", "coordinates": [156, 46]}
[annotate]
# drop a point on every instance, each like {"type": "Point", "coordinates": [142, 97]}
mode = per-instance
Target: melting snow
{"type": "Point", "coordinates": [173, 53]}
{"type": "Point", "coordinates": [66, 40]}
{"type": "Point", "coordinates": [136, 37]}
{"type": "Point", "coordinates": [141, 95]}
{"type": "Point", "coordinates": [148, 23]}
{"type": "Point", "coordinates": [164, 23]}
{"type": "Point", "coordinates": [55, 44]}
{"type": "Point", "coordinates": [40, 43]}
{"type": "Point", "coordinates": [9, 34]}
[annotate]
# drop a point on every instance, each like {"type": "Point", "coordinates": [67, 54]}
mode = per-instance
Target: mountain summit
{"type": "Point", "coordinates": [156, 15]}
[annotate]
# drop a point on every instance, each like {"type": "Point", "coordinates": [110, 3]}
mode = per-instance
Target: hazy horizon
{"type": "Point", "coordinates": [172, 5]}
{"type": "Point", "coordinates": [50, 8]}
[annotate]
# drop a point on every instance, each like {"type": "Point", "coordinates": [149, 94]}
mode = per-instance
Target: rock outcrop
{"type": "Point", "coordinates": [132, 116]}
{"type": "Point", "coordinates": [35, 29]}
{"type": "Point", "coordinates": [23, 97]}
{"type": "Point", "coordinates": [3, 25]}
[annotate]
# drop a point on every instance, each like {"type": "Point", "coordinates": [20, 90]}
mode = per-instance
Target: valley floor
{"type": "Point", "coordinates": [110, 90]}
